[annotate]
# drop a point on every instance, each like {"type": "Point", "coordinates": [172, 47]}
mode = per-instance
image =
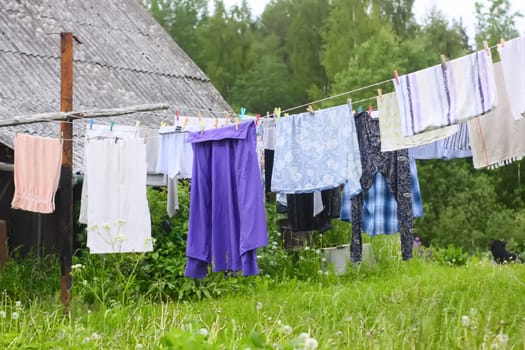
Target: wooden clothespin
{"type": "Point", "coordinates": [310, 109]}
{"type": "Point", "coordinates": [380, 94]}
{"type": "Point", "coordinates": [199, 115]}
{"type": "Point", "coordinates": [268, 115]}
{"type": "Point", "coordinates": [186, 120]}
{"type": "Point", "coordinates": [396, 76]}
{"type": "Point", "coordinates": [236, 123]}
{"type": "Point", "coordinates": [227, 117]}
{"type": "Point", "coordinates": [443, 61]}
{"type": "Point", "coordinates": [501, 42]}
{"type": "Point", "coordinates": [486, 47]}
{"type": "Point", "coordinates": [216, 122]}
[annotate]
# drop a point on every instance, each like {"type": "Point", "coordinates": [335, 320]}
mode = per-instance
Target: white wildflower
{"type": "Point", "coordinates": [318, 251]}
{"type": "Point", "coordinates": [76, 267]}
{"type": "Point", "coordinates": [15, 315]}
{"type": "Point", "coordinates": [203, 332]}
{"type": "Point", "coordinates": [465, 320]}
{"type": "Point", "coordinates": [502, 338]}
{"type": "Point", "coordinates": [339, 333]}
{"type": "Point", "coordinates": [307, 248]}
{"type": "Point", "coordinates": [86, 340]}
{"type": "Point", "coordinates": [95, 336]}
{"type": "Point", "coordinates": [287, 330]}
{"type": "Point", "coordinates": [2, 314]}
{"type": "Point", "coordinates": [18, 304]}
{"type": "Point", "coordinates": [311, 343]}
{"type": "Point", "coordinates": [139, 346]}
{"type": "Point", "coordinates": [259, 305]}
{"type": "Point", "coordinates": [302, 337]}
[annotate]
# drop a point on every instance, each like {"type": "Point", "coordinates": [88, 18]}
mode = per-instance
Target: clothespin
{"type": "Point", "coordinates": [396, 76]}
{"type": "Point", "coordinates": [216, 122]}
{"type": "Point", "coordinates": [257, 117]}
{"type": "Point", "coordinates": [277, 112]}
{"type": "Point", "coordinates": [243, 112]}
{"type": "Point", "coordinates": [236, 123]}
{"type": "Point", "coordinates": [486, 47]}
{"type": "Point", "coordinates": [227, 117]}
{"type": "Point", "coordinates": [359, 109]}
{"type": "Point", "coordinates": [202, 125]}
{"type": "Point", "coordinates": [186, 120]}
{"type": "Point", "coordinates": [177, 115]}
{"type": "Point", "coordinates": [145, 136]}
{"type": "Point", "coordinates": [310, 109]}
{"type": "Point", "coordinates": [200, 117]}
{"type": "Point", "coordinates": [286, 114]}
{"type": "Point", "coordinates": [380, 94]}
{"type": "Point", "coordinates": [502, 42]}
{"type": "Point", "coordinates": [370, 110]}
{"type": "Point", "coordinates": [443, 61]}
{"type": "Point", "coordinates": [111, 125]}
{"type": "Point", "coordinates": [268, 115]}
{"type": "Point", "coordinates": [62, 136]}
{"type": "Point", "coordinates": [162, 123]}
{"type": "Point", "coordinates": [91, 124]}
{"type": "Point", "coordinates": [137, 123]}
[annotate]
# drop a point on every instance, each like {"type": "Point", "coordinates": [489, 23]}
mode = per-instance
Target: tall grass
{"type": "Point", "coordinates": [418, 304]}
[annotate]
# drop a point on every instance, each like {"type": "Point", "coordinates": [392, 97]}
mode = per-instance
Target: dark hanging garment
{"type": "Point", "coordinates": [395, 168]}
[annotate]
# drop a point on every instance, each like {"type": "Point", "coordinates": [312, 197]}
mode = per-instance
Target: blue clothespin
{"type": "Point", "coordinates": [243, 112]}
{"type": "Point", "coordinates": [359, 109]}
{"type": "Point", "coordinates": [111, 125]}
{"type": "Point", "coordinates": [91, 124]}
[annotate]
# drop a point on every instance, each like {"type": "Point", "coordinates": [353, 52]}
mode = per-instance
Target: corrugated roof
{"type": "Point", "coordinates": [125, 59]}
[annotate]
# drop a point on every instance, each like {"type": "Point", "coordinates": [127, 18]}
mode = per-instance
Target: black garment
{"type": "Point", "coordinates": [268, 169]}
{"type": "Point", "coordinates": [395, 168]}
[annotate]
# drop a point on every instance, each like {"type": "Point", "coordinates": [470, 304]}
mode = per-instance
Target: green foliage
{"type": "Point", "coordinates": [454, 256]}
{"type": "Point", "coordinates": [495, 22]}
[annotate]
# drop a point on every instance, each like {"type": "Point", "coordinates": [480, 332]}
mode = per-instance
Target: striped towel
{"type": "Point", "coordinates": [455, 146]}
{"type": "Point", "coordinates": [497, 138]}
{"type": "Point", "coordinates": [512, 55]}
{"type": "Point", "coordinates": [446, 94]}
{"type": "Point", "coordinates": [392, 138]}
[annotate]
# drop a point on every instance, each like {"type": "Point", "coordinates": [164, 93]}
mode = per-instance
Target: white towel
{"type": "Point", "coordinates": [392, 138]}
{"type": "Point", "coordinates": [116, 206]}
{"type": "Point", "coordinates": [512, 55]}
{"type": "Point", "coordinates": [448, 94]}
{"type": "Point", "coordinates": [497, 138]}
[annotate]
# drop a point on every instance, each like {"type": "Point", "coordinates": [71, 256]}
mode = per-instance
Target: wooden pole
{"type": "Point", "coordinates": [65, 206]}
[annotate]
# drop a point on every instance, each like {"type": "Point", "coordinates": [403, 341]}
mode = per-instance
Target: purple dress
{"type": "Point", "coordinates": [227, 216]}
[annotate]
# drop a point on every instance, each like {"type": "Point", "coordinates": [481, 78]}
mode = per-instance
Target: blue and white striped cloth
{"type": "Point", "coordinates": [446, 94]}
{"type": "Point", "coordinates": [380, 205]}
{"type": "Point", "coordinates": [455, 146]}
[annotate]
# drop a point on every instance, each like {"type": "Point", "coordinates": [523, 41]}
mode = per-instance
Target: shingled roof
{"type": "Point", "coordinates": [125, 58]}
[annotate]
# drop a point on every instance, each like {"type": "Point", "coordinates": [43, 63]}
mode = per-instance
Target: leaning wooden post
{"type": "Point", "coordinates": [65, 206]}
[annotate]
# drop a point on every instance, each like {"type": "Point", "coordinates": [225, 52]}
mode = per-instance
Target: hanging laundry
{"type": "Point", "coordinates": [175, 155]}
{"type": "Point", "coordinates": [497, 138]}
{"type": "Point", "coordinates": [395, 167]}
{"type": "Point", "coordinates": [227, 216]}
{"type": "Point", "coordinates": [455, 146]}
{"type": "Point", "coordinates": [512, 54]}
{"type": "Point", "coordinates": [316, 151]}
{"type": "Point", "coordinates": [36, 173]}
{"type": "Point", "coordinates": [446, 94]}
{"type": "Point", "coordinates": [392, 138]}
{"type": "Point", "coordinates": [380, 205]}
{"type": "Point", "coordinates": [114, 203]}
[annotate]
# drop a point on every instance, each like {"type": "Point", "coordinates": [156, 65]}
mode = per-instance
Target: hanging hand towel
{"type": "Point", "coordinates": [497, 138]}
{"type": "Point", "coordinates": [316, 151]}
{"type": "Point", "coordinates": [392, 138]}
{"type": "Point", "coordinates": [36, 173]}
{"type": "Point", "coordinates": [455, 146]}
{"type": "Point", "coordinates": [446, 94]}
{"type": "Point", "coordinates": [512, 55]}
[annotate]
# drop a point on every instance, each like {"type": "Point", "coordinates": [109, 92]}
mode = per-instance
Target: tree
{"type": "Point", "coordinates": [495, 22]}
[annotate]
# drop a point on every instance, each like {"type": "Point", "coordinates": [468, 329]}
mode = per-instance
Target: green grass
{"type": "Point", "coordinates": [419, 304]}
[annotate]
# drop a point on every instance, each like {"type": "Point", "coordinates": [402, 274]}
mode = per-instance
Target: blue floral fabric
{"type": "Point", "coordinates": [316, 151]}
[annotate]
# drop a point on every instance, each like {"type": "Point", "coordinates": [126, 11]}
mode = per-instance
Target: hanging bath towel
{"type": "Point", "coordinates": [36, 173]}
{"type": "Point", "coordinates": [392, 138]}
{"type": "Point", "coordinates": [446, 94]}
{"type": "Point", "coordinates": [115, 206]}
{"type": "Point", "coordinates": [512, 55]}
{"type": "Point", "coordinates": [497, 138]}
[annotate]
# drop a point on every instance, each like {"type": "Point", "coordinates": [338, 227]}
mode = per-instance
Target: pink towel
{"type": "Point", "coordinates": [36, 172]}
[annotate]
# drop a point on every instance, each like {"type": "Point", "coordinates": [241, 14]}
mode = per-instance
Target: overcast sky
{"type": "Point", "coordinates": [451, 8]}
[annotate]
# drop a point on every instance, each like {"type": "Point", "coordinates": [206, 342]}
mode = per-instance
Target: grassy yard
{"type": "Point", "coordinates": [419, 304]}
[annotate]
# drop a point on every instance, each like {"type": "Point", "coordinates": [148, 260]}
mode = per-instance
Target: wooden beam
{"type": "Point", "coordinates": [95, 113]}
{"type": "Point", "coordinates": [66, 172]}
